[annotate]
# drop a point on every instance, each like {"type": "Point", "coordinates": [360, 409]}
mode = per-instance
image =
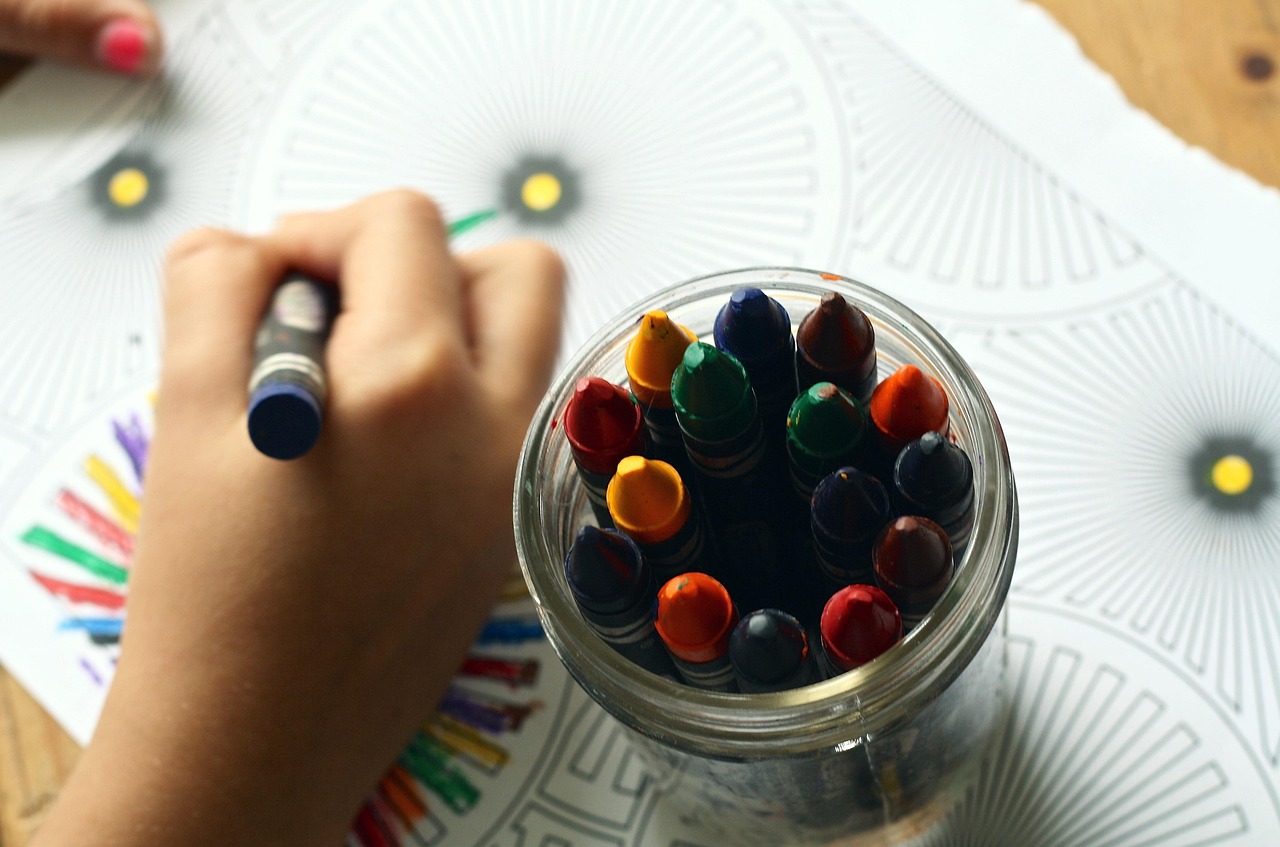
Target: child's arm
{"type": "Point", "coordinates": [115, 35]}
{"type": "Point", "coordinates": [291, 623]}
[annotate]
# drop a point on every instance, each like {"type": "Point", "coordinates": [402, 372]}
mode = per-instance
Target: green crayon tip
{"type": "Point", "coordinates": [470, 222]}
{"type": "Point", "coordinates": [825, 426]}
{"type": "Point", "coordinates": [711, 394]}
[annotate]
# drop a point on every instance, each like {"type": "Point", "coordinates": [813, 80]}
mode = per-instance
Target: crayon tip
{"type": "Point", "coordinates": [753, 326]}
{"type": "Point", "coordinates": [696, 616]}
{"type": "Point", "coordinates": [601, 418]}
{"type": "Point", "coordinates": [605, 570]}
{"type": "Point", "coordinates": [768, 646]}
{"type": "Point", "coordinates": [647, 499]}
{"type": "Point", "coordinates": [933, 470]}
{"type": "Point", "coordinates": [912, 559]}
{"type": "Point", "coordinates": [653, 356]}
{"type": "Point", "coordinates": [711, 386]}
{"type": "Point", "coordinates": [906, 405]}
{"type": "Point", "coordinates": [837, 337]}
{"type": "Point", "coordinates": [850, 504]}
{"type": "Point", "coordinates": [825, 421]}
{"type": "Point", "coordinates": [859, 623]}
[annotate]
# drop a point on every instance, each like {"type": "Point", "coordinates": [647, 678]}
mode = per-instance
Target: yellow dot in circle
{"type": "Point", "coordinates": [540, 191]}
{"type": "Point", "coordinates": [1232, 474]}
{"type": "Point", "coordinates": [128, 187]}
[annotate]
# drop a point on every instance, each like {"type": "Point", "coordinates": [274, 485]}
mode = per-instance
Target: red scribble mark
{"type": "Point", "coordinates": [77, 593]}
{"type": "Point", "coordinates": [831, 277]}
{"type": "Point", "coordinates": [99, 525]}
{"type": "Point", "coordinates": [515, 673]}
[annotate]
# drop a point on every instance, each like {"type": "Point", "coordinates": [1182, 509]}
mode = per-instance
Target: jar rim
{"type": "Point", "coordinates": [826, 714]}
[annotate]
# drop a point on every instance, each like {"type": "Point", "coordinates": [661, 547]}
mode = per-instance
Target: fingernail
{"type": "Point", "coordinates": [126, 46]}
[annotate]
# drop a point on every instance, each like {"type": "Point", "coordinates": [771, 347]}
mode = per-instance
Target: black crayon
{"type": "Point", "coordinates": [933, 477]}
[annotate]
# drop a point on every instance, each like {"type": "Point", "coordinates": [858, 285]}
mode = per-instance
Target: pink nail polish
{"type": "Point", "coordinates": [123, 45]}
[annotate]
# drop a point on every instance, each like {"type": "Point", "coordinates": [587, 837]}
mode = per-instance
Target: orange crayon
{"type": "Point", "coordinates": [696, 617]}
{"type": "Point", "coordinates": [906, 405]}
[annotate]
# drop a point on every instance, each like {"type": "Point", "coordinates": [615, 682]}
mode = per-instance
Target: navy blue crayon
{"type": "Point", "coordinates": [288, 384]}
{"type": "Point", "coordinates": [756, 330]}
{"type": "Point", "coordinates": [741, 487]}
{"type": "Point", "coordinates": [933, 477]}
{"type": "Point", "coordinates": [849, 509]}
{"type": "Point", "coordinates": [615, 592]}
{"type": "Point", "coordinates": [770, 652]}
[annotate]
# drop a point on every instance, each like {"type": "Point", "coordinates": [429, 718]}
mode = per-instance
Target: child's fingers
{"type": "Point", "coordinates": [515, 293]}
{"type": "Point", "coordinates": [217, 287]}
{"type": "Point", "coordinates": [116, 35]}
{"type": "Point", "coordinates": [389, 255]}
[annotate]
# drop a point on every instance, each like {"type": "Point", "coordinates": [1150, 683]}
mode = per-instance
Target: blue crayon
{"type": "Point", "coordinates": [770, 652]}
{"type": "Point", "coordinates": [849, 509]}
{"type": "Point", "coordinates": [740, 482]}
{"type": "Point", "coordinates": [933, 477]}
{"type": "Point", "coordinates": [288, 385]}
{"type": "Point", "coordinates": [756, 330]}
{"type": "Point", "coordinates": [615, 592]}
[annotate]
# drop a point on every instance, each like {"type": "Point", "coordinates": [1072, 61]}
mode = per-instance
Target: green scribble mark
{"type": "Point", "coordinates": [428, 761]}
{"type": "Point", "coordinates": [470, 222]}
{"type": "Point", "coordinates": [40, 537]}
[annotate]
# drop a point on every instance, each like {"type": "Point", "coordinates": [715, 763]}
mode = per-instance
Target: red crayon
{"type": "Point", "coordinates": [604, 425]}
{"type": "Point", "coordinates": [913, 564]}
{"type": "Point", "coordinates": [858, 623]}
{"type": "Point", "coordinates": [906, 405]}
{"type": "Point", "coordinates": [696, 617]}
{"type": "Point", "coordinates": [836, 343]}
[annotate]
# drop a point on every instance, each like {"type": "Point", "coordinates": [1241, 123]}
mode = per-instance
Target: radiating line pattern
{"type": "Point", "coordinates": [1109, 422]}
{"type": "Point", "coordinates": [680, 128]}
{"type": "Point", "coordinates": [1099, 749]}
{"type": "Point", "coordinates": [81, 317]}
{"type": "Point", "coordinates": [964, 217]}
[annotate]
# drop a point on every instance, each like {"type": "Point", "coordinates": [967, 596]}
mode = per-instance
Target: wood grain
{"type": "Point", "coordinates": [1207, 69]}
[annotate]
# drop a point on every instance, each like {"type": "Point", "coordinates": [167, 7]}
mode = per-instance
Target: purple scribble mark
{"type": "Point", "coordinates": [93, 674]}
{"type": "Point", "coordinates": [133, 438]}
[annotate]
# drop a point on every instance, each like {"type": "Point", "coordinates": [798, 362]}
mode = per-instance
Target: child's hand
{"type": "Point", "coordinates": [116, 35]}
{"type": "Point", "coordinates": [290, 624]}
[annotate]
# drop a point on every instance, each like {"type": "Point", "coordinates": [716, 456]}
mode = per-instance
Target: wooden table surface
{"type": "Point", "coordinates": [1207, 69]}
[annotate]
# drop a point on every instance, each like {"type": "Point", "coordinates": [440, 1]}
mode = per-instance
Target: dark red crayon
{"type": "Point", "coordinates": [913, 565]}
{"type": "Point", "coordinates": [604, 425]}
{"type": "Point", "coordinates": [836, 343]}
{"type": "Point", "coordinates": [933, 477]}
{"type": "Point", "coordinates": [906, 405]}
{"type": "Point", "coordinates": [858, 623]}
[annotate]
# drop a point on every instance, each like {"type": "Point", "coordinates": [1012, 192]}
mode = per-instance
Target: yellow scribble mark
{"type": "Point", "coordinates": [541, 192]}
{"type": "Point", "coordinates": [123, 502]}
{"type": "Point", "coordinates": [128, 187]}
{"type": "Point", "coordinates": [1232, 475]}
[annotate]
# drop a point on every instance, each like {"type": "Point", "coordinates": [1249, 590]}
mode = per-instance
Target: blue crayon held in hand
{"type": "Point", "coordinates": [288, 385]}
{"type": "Point", "coordinates": [614, 589]}
{"type": "Point", "coordinates": [770, 652]}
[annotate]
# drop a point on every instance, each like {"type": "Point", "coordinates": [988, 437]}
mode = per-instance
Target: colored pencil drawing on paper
{"type": "Point", "coordinates": [79, 549]}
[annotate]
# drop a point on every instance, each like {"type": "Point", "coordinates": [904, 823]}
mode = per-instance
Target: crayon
{"type": "Point", "coordinates": [836, 343]}
{"type": "Point", "coordinates": [906, 405]}
{"type": "Point", "coordinates": [651, 358]}
{"type": "Point", "coordinates": [849, 509]}
{"type": "Point", "coordinates": [933, 477]}
{"type": "Point", "coordinates": [614, 589]}
{"type": "Point", "coordinates": [825, 428]}
{"type": "Point", "coordinates": [770, 652]}
{"type": "Point", "coordinates": [604, 424]}
{"type": "Point", "coordinates": [756, 330]}
{"type": "Point", "coordinates": [696, 617]}
{"type": "Point", "coordinates": [740, 489]}
{"type": "Point", "coordinates": [913, 565]}
{"type": "Point", "coordinates": [650, 503]}
{"type": "Point", "coordinates": [288, 385]}
{"type": "Point", "coordinates": [858, 623]}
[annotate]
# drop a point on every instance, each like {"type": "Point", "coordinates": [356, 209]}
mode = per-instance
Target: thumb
{"type": "Point", "coordinates": [116, 35]}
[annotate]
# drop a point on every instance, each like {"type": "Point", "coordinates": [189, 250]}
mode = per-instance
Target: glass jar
{"type": "Point", "coordinates": [871, 756]}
